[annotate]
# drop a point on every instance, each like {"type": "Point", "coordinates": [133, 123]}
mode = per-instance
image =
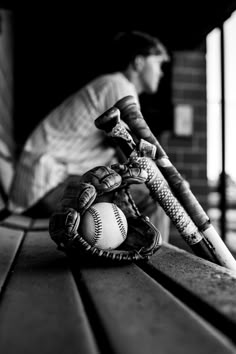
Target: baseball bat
{"type": "Point", "coordinates": [109, 121]}
{"type": "Point", "coordinates": [132, 116]}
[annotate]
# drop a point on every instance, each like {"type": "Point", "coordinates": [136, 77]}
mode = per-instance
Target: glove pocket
{"type": "Point", "coordinates": [143, 237]}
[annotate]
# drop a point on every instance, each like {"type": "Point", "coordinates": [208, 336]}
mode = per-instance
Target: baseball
{"type": "Point", "coordinates": [104, 225]}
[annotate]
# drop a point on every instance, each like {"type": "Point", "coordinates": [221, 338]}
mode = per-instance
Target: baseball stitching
{"type": "Point", "coordinates": [97, 224]}
{"type": "Point", "coordinates": [119, 221]}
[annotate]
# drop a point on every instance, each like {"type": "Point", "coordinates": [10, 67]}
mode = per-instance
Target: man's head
{"type": "Point", "coordinates": [140, 56]}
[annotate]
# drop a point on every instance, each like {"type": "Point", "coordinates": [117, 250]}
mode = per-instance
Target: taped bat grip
{"type": "Point", "coordinates": [183, 193]}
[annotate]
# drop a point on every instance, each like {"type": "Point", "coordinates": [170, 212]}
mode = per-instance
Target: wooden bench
{"type": "Point", "coordinates": [52, 303]}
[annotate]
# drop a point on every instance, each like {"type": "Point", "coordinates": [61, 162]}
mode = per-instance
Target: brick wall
{"type": "Point", "coordinates": [6, 79]}
{"type": "Point", "coordinates": [189, 154]}
{"type": "Point", "coordinates": [6, 101]}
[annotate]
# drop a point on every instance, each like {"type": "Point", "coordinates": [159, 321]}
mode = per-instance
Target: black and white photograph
{"type": "Point", "coordinates": [118, 177]}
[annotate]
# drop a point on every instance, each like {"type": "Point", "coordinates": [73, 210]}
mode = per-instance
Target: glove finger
{"type": "Point", "coordinates": [87, 195]}
{"type": "Point", "coordinates": [103, 178]}
{"type": "Point", "coordinates": [63, 225]}
{"type": "Point", "coordinates": [131, 173]}
{"type": "Point", "coordinates": [72, 222]}
{"type": "Point", "coordinates": [78, 196]}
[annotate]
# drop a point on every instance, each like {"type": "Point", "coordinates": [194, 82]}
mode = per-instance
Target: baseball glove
{"type": "Point", "coordinates": [105, 184]}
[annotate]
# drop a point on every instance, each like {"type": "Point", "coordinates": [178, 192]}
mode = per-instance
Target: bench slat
{"type": "Point", "coordinates": [17, 221]}
{"type": "Point", "coordinates": [140, 316]}
{"type": "Point", "coordinates": [213, 284]}
{"type": "Point", "coordinates": [9, 243]}
{"type": "Point", "coordinates": [25, 223]}
{"type": "Point", "coordinates": [41, 311]}
{"type": "Point", "coordinates": [40, 224]}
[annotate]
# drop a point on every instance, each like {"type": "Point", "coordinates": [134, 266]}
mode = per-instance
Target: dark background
{"type": "Point", "coordinates": [60, 47]}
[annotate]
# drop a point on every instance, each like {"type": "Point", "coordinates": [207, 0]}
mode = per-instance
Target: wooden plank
{"type": "Point", "coordinates": [140, 316]}
{"type": "Point", "coordinates": [41, 310]}
{"type": "Point", "coordinates": [40, 224]}
{"type": "Point", "coordinates": [210, 287]}
{"type": "Point", "coordinates": [25, 223]}
{"type": "Point", "coordinates": [9, 243]}
{"type": "Point", "coordinates": [17, 221]}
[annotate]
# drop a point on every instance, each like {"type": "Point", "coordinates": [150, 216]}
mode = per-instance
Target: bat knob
{"type": "Point", "coordinates": [131, 114]}
{"type": "Point", "coordinates": [108, 120]}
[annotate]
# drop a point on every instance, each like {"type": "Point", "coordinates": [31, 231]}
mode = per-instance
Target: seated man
{"type": "Point", "coordinates": [67, 143]}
